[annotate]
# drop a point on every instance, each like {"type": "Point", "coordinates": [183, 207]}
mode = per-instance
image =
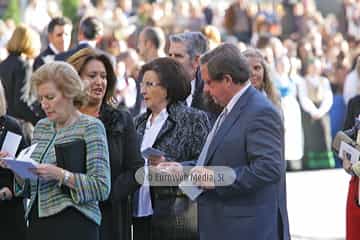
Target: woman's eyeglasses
{"type": "Point", "coordinates": [149, 84]}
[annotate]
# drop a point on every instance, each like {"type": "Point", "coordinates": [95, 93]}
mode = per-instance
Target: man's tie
{"type": "Point", "coordinates": [218, 122]}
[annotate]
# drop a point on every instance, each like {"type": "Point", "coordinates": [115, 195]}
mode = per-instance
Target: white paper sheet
{"type": "Point", "coordinates": [11, 143]}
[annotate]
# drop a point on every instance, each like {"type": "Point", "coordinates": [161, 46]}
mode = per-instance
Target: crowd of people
{"type": "Point", "coordinates": [261, 88]}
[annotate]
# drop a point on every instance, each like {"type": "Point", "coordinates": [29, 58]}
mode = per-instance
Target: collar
{"type": "Point", "coordinates": [88, 42]}
{"type": "Point", "coordinates": [163, 115]}
{"type": "Point", "coordinates": [53, 48]}
{"type": "Point", "coordinates": [236, 97]}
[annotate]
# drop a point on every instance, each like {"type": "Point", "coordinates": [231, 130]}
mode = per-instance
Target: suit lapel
{"type": "Point", "coordinates": [228, 122]}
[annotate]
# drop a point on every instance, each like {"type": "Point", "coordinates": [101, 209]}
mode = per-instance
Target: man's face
{"type": "Point", "coordinates": [61, 37]}
{"type": "Point", "coordinates": [178, 52]}
{"type": "Point", "coordinates": [218, 90]}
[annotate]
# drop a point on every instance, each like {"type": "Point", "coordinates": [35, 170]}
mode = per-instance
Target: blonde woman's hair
{"type": "Point", "coordinates": [65, 78]}
{"type": "Point", "coordinates": [268, 86]}
{"type": "Point", "coordinates": [3, 104]}
{"type": "Point", "coordinates": [24, 40]}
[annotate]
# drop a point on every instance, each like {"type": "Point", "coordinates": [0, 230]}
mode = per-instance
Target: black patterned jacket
{"type": "Point", "coordinates": [183, 133]}
{"type": "Point", "coordinates": [181, 138]}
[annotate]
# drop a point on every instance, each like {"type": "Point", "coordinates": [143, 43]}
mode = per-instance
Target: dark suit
{"type": "Point", "coordinates": [65, 55]}
{"type": "Point", "coordinates": [181, 138]}
{"type": "Point", "coordinates": [12, 221]}
{"type": "Point", "coordinates": [353, 110]}
{"type": "Point", "coordinates": [14, 73]}
{"type": "Point", "coordinates": [39, 60]}
{"type": "Point", "coordinates": [250, 140]}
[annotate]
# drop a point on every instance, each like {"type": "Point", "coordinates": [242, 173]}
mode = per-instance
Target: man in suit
{"type": "Point", "coordinates": [59, 37]}
{"type": "Point", "coordinates": [90, 31]}
{"type": "Point", "coordinates": [186, 48]}
{"type": "Point", "coordinates": [248, 137]}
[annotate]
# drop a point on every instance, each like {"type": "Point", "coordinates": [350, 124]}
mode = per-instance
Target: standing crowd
{"type": "Point", "coordinates": [256, 87]}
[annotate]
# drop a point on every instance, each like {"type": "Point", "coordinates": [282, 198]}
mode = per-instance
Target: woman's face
{"type": "Point", "coordinates": [56, 106]}
{"type": "Point", "coordinates": [256, 72]}
{"type": "Point", "coordinates": [94, 75]}
{"type": "Point", "coordinates": [154, 94]}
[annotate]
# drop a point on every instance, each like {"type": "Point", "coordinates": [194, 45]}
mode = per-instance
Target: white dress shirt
{"type": "Point", "coordinates": [151, 132]}
{"type": "Point", "coordinates": [189, 99]}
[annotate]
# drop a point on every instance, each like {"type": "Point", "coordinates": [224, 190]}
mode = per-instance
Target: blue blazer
{"type": "Point", "coordinates": [251, 141]}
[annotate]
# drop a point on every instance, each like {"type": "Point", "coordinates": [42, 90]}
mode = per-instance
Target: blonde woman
{"type": "Point", "coordinates": [15, 72]}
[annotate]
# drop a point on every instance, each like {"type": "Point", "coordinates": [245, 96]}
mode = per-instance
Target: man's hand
{"type": "Point", "coordinates": [173, 168]}
{"type": "Point", "coordinates": [203, 177]}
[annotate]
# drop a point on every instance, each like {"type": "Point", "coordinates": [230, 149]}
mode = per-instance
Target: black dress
{"type": "Point", "coordinates": [12, 222]}
{"type": "Point", "coordinates": [125, 159]}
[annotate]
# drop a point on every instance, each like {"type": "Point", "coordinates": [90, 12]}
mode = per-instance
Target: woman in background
{"type": "Point", "coordinates": [15, 73]}
{"type": "Point", "coordinates": [179, 132]}
{"type": "Point", "coordinates": [96, 71]}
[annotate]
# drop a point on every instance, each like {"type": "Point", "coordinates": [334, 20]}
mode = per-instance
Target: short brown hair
{"type": "Point", "coordinates": [65, 78]}
{"type": "Point", "coordinates": [172, 76]}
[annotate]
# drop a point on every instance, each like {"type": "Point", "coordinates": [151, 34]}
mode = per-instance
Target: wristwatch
{"type": "Point", "coordinates": [67, 176]}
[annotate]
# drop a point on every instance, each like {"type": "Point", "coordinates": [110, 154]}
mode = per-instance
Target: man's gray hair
{"type": "Point", "coordinates": [226, 59]}
{"type": "Point", "coordinates": [195, 42]}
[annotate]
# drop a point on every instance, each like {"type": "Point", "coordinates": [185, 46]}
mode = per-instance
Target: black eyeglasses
{"type": "Point", "coordinates": [149, 84]}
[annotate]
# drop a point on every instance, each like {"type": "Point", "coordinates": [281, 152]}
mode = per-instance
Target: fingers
{"type": "Point", "coordinates": [155, 160]}
{"type": "Point", "coordinates": [3, 164]}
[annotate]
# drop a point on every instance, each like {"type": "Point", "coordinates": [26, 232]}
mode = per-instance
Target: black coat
{"type": "Point", "coordinates": [14, 73]}
{"type": "Point", "coordinates": [39, 60]}
{"type": "Point", "coordinates": [125, 159]}
{"type": "Point", "coordinates": [353, 110]}
{"type": "Point", "coordinates": [12, 221]}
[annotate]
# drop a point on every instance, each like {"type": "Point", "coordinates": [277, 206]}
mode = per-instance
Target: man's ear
{"type": "Point", "coordinates": [227, 78]}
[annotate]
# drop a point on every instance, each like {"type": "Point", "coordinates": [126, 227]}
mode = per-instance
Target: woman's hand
{"type": "Point", "coordinates": [155, 160]}
{"type": "Point", "coordinates": [2, 162]}
{"type": "Point", "coordinates": [49, 172]}
{"type": "Point", "coordinates": [5, 194]}
{"type": "Point", "coordinates": [347, 165]}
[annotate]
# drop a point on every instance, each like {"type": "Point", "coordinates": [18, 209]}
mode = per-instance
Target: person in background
{"type": "Point", "coordinates": [178, 131]}
{"type": "Point", "coordinates": [15, 72]}
{"type": "Point", "coordinates": [91, 30]}
{"type": "Point", "coordinates": [65, 204]}
{"type": "Point", "coordinates": [13, 225]}
{"type": "Point", "coordinates": [151, 43]}
{"type": "Point", "coordinates": [186, 48]}
{"type": "Point", "coordinates": [316, 99]}
{"type": "Point", "coordinates": [97, 73]}
{"type": "Point", "coordinates": [59, 37]}
{"type": "Point", "coordinates": [260, 76]}
{"type": "Point", "coordinates": [352, 203]}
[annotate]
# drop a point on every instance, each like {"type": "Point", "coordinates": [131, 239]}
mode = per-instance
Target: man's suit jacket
{"type": "Point", "coordinates": [250, 141]}
{"type": "Point", "coordinates": [39, 60]}
{"type": "Point", "coordinates": [65, 55]}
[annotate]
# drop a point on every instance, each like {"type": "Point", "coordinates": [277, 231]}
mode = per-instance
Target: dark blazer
{"type": "Point", "coordinates": [39, 60]}
{"type": "Point", "coordinates": [65, 55]}
{"type": "Point", "coordinates": [125, 159]}
{"type": "Point", "coordinates": [353, 110]}
{"type": "Point", "coordinates": [250, 141]}
{"type": "Point", "coordinates": [181, 138]}
{"type": "Point", "coordinates": [183, 133]}
{"type": "Point", "coordinates": [13, 225]}
{"type": "Point", "coordinates": [14, 73]}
